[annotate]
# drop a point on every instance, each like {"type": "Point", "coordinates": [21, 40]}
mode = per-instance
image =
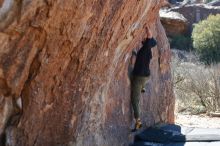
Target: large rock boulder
{"type": "Point", "coordinates": [196, 12]}
{"type": "Point", "coordinates": [174, 23]}
{"type": "Point", "coordinates": [214, 3]}
{"type": "Point", "coordinates": [67, 61]}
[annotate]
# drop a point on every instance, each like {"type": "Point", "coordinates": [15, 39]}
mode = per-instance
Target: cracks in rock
{"type": "Point", "coordinates": [91, 52]}
{"type": "Point", "coordinates": [33, 70]}
{"type": "Point", "coordinates": [4, 88]}
{"type": "Point", "coordinates": [81, 60]}
{"type": "Point", "coordinates": [38, 134]}
{"type": "Point", "coordinates": [49, 2]}
{"type": "Point", "coordinates": [7, 16]}
{"type": "Point", "coordinates": [41, 15]}
{"type": "Point", "coordinates": [1, 3]}
{"type": "Point", "coordinates": [28, 74]}
{"type": "Point", "coordinates": [11, 114]}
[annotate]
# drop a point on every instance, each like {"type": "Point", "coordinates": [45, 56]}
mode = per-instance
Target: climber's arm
{"type": "Point", "coordinates": [149, 33]}
{"type": "Point", "coordinates": [133, 57]}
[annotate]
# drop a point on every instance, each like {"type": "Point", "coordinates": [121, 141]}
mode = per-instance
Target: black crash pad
{"type": "Point", "coordinates": [178, 134]}
{"type": "Point", "coordinates": [216, 143]}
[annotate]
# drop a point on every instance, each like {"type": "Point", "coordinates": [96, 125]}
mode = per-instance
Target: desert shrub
{"type": "Point", "coordinates": [196, 86]}
{"type": "Point", "coordinates": [206, 39]}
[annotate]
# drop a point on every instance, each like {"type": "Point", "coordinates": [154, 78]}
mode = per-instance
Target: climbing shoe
{"type": "Point", "coordinates": [138, 125]}
{"type": "Point", "coordinates": [143, 90]}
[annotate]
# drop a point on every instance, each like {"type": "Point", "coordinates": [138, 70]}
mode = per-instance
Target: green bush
{"type": "Point", "coordinates": [206, 39]}
{"type": "Point", "coordinates": [181, 42]}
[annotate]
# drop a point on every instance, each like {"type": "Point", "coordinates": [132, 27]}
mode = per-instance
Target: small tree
{"type": "Point", "coordinates": [206, 39]}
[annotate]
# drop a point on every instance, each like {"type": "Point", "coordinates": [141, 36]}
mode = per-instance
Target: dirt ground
{"type": "Point", "coordinates": [202, 121]}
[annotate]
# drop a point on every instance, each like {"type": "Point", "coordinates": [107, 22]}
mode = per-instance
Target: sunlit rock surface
{"type": "Point", "coordinates": [174, 23]}
{"type": "Point", "coordinates": [67, 61]}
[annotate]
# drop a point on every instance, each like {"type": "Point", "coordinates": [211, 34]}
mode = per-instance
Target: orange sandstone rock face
{"type": "Point", "coordinates": [68, 63]}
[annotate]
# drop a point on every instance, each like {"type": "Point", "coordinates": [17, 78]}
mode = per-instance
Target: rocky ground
{"type": "Point", "coordinates": [203, 121]}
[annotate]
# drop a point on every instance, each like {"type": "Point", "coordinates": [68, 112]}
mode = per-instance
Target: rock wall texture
{"type": "Point", "coordinates": [64, 71]}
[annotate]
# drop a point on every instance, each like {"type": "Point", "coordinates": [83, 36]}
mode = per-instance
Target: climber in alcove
{"type": "Point", "coordinates": [140, 75]}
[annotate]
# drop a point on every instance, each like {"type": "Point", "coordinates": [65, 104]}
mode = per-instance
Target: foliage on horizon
{"type": "Point", "coordinates": [206, 39]}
